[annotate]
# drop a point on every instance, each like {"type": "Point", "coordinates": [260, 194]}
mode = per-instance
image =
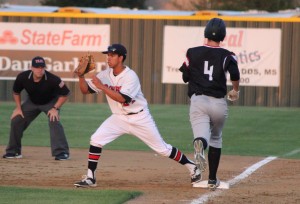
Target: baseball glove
{"type": "Point", "coordinates": [233, 95]}
{"type": "Point", "coordinates": [86, 64]}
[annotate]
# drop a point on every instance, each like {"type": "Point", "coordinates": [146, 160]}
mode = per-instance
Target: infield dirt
{"type": "Point", "coordinates": [160, 179]}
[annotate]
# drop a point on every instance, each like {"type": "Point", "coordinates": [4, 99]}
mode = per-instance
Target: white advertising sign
{"type": "Point", "coordinates": [257, 50]}
{"type": "Point", "coordinates": [54, 37]}
{"type": "Point", "coordinates": [61, 45]}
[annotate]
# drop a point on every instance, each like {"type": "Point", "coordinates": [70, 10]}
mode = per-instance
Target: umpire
{"type": "Point", "coordinates": [46, 93]}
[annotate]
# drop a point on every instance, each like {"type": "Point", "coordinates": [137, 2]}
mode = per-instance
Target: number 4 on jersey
{"type": "Point", "coordinates": [208, 70]}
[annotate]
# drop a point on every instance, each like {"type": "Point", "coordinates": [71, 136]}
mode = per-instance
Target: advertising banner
{"type": "Point", "coordinates": [257, 51]}
{"type": "Point", "coordinates": [61, 45]}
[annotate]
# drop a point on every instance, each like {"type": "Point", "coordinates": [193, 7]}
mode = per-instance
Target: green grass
{"type": "Point", "coordinates": [251, 131]}
{"type": "Point", "coordinates": [262, 131]}
{"type": "Point", "coordinates": [19, 195]}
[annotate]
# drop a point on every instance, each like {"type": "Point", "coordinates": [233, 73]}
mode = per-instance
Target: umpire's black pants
{"type": "Point", "coordinates": [30, 110]}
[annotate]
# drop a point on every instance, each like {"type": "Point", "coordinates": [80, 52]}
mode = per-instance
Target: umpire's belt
{"type": "Point", "coordinates": [135, 113]}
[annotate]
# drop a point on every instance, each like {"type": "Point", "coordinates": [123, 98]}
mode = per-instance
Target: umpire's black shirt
{"type": "Point", "coordinates": [42, 92]}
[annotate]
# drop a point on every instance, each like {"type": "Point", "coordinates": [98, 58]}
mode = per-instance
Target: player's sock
{"type": "Point", "coordinates": [179, 157]}
{"type": "Point", "coordinates": [182, 159]}
{"type": "Point", "coordinates": [214, 155]}
{"type": "Point", "coordinates": [94, 155]}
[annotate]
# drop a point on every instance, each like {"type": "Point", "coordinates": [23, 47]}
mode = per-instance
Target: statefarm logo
{"type": "Point", "coordinates": [50, 38]}
{"type": "Point", "coordinates": [8, 37]}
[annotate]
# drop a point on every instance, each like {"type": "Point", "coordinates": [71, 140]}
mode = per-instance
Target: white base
{"type": "Point", "coordinates": [203, 184]}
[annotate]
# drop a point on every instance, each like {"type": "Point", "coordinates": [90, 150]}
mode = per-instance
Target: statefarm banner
{"type": "Point", "coordinates": [257, 50]}
{"type": "Point", "coordinates": [61, 45]}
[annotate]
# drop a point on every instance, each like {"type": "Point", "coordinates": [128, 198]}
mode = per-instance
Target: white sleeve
{"type": "Point", "coordinates": [92, 85]}
{"type": "Point", "coordinates": [131, 86]}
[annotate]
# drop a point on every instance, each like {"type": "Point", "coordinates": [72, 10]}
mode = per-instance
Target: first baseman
{"type": "Point", "coordinates": [205, 70]}
{"type": "Point", "coordinates": [130, 115]}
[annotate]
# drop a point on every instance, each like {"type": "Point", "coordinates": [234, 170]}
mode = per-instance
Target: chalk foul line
{"type": "Point", "coordinates": [250, 170]}
{"type": "Point", "coordinates": [245, 174]}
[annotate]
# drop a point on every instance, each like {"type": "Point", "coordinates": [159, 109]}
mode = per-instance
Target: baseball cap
{"type": "Point", "coordinates": [38, 62]}
{"type": "Point", "coordinates": [116, 48]}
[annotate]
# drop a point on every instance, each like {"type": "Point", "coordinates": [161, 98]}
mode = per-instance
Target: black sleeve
{"type": "Point", "coordinates": [91, 90]}
{"type": "Point", "coordinates": [185, 73]}
{"type": "Point", "coordinates": [127, 98]}
{"type": "Point", "coordinates": [18, 85]}
{"type": "Point", "coordinates": [231, 66]}
{"type": "Point", "coordinates": [233, 71]}
{"type": "Point", "coordinates": [63, 90]}
{"type": "Point", "coordinates": [185, 69]}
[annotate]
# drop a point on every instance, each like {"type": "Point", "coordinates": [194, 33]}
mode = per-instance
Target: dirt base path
{"type": "Point", "coordinates": [160, 179]}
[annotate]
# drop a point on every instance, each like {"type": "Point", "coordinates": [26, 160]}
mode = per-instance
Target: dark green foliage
{"type": "Point", "coordinates": [270, 5]}
{"type": "Point", "coordinates": [95, 3]}
{"type": "Point", "coordinates": [242, 5]}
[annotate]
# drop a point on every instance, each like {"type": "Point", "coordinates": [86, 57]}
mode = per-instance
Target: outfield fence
{"type": "Point", "coordinates": [145, 38]}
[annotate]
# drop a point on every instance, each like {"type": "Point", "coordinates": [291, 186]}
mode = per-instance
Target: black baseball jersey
{"type": "Point", "coordinates": [205, 70]}
{"type": "Point", "coordinates": [42, 92]}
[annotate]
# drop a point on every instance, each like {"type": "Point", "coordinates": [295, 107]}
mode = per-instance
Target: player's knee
{"type": "Point", "coordinates": [216, 142]}
{"type": "Point", "coordinates": [16, 120]}
{"type": "Point", "coordinates": [95, 144]}
{"type": "Point", "coordinates": [165, 153]}
{"type": "Point", "coordinates": [54, 124]}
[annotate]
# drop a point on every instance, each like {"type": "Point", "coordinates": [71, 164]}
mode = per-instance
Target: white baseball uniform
{"type": "Point", "coordinates": [131, 118]}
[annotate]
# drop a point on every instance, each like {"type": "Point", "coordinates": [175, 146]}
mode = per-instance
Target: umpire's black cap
{"type": "Point", "coordinates": [116, 48]}
{"type": "Point", "coordinates": [38, 62]}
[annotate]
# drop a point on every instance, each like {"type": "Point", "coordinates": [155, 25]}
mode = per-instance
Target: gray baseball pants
{"type": "Point", "coordinates": [207, 117]}
{"type": "Point", "coordinates": [58, 140]}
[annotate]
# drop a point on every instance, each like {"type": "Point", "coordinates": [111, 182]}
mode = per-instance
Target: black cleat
{"type": "Point", "coordinates": [199, 155]}
{"type": "Point", "coordinates": [86, 182]}
{"type": "Point", "coordinates": [196, 176]}
{"type": "Point", "coordinates": [213, 184]}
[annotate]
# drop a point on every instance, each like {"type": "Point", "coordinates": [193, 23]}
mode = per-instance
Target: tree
{"type": "Point", "coordinates": [95, 3]}
{"type": "Point", "coordinates": [236, 5]}
{"type": "Point", "coordinates": [270, 5]}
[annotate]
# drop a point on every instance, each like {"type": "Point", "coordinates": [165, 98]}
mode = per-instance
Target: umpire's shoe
{"type": "Point", "coordinates": [62, 156]}
{"type": "Point", "coordinates": [196, 176]}
{"type": "Point", "coordinates": [86, 182]}
{"type": "Point", "coordinates": [12, 156]}
{"type": "Point", "coordinates": [199, 155]}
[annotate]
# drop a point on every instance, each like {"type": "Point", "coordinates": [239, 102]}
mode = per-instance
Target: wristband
{"type": "Point", "coordinates": [55, 108]}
